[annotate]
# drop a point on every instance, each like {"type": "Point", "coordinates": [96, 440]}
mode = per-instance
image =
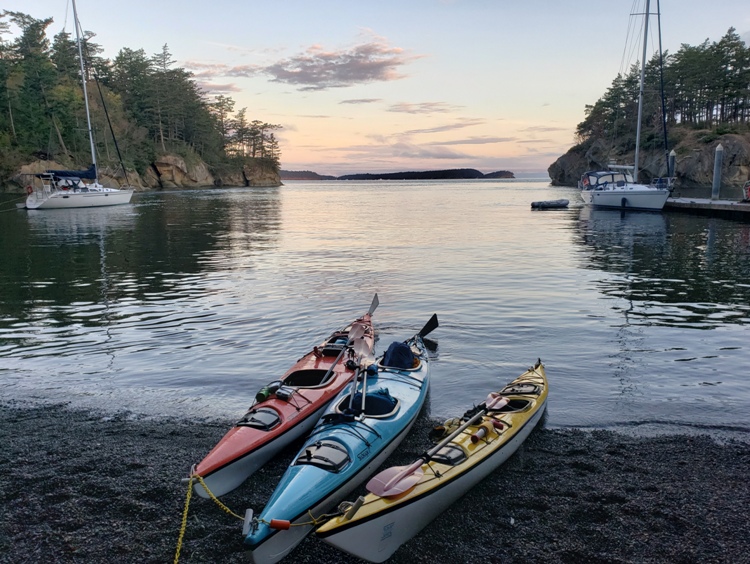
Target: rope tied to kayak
{"type": "Point", "coordinates": [215, 499]}
{"type": "Point", "coordinates": [183, 525]}
{"type": "Point", "coordinates": [283, 524]}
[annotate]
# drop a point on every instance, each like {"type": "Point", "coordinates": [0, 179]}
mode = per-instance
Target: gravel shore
{"type": "Point", "coordinates": [77, 486]}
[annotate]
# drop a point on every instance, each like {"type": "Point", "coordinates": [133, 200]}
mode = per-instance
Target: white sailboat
{"type": "Point", "coordinates": [619, 186]}
{"type": "Point", "coordinates": [57, 189]}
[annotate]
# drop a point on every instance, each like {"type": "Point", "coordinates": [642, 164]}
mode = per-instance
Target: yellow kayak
{"type": "Point", "coordinates": [403, 500]}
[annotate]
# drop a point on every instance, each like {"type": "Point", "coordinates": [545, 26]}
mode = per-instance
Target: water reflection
{"type": "Point", "coordinates": [673, 269]}
{"type": "Point", "coordinates": [65, 270]}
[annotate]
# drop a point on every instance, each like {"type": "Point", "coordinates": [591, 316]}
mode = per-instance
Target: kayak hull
{"type": "Point", "coordinates": [233, 474]}
{"type": "Point", "coordinates": [381, 525]}
{"type": "Point", "coordinates": [284, 415]}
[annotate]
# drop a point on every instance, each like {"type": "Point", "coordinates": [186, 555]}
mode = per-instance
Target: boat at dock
{"type": "Point", "coordinates": [618, 187]}
{"type": "Point", "coordinates": [403, 500]}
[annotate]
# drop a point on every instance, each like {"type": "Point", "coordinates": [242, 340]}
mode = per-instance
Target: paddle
{"type": "Point", "coordinates": [355, 333]}
{"type": "Point", "coordinates": [430, 326]}
{"type": "Point", "coordinates": [399, 479]}
{"type": "Point", "coordinates": [373, 306]}
{"type": "Point", "coordinates": [366, 359]}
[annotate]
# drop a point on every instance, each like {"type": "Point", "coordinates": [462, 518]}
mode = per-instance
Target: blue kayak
{"type": "Point", "coordinates": [350, 441]}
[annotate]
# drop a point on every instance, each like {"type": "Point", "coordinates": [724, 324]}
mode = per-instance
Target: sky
{"type": "Point", "coordinates": [387, 86]}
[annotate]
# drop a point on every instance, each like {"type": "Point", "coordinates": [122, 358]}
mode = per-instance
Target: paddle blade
{"type": "Point", "coordinates": [395, 481]}
{"type": "Point", "coordinates": [363, 353]}
{"type": "Point", "coordinates": [356, 332]}
{"type": "Point", "coordinates": [430, 326]}
{"type": "Point", "coordinates": [495, 402]}
{"type": "Point", "coordinates": [374, 305]}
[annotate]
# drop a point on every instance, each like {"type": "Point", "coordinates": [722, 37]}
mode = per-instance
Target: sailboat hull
{"type": "Point", "coordinates": [60, 199]}
{"type": "Point", "coordinates": [627, 197]}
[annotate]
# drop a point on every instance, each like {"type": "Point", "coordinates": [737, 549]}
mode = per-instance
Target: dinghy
{"type": "Point", "coordinates": [284, 410]}
{"type": "Point", "coordinates": [550, 204]}
{"type": "Point", "coordinates": [403, 500]}
{"type": "Point", "coordinates": [355, 435]}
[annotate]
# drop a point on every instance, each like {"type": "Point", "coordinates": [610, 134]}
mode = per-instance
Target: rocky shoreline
{"type": "Point", "coordinates": [80, 486]}
{"type": "Point", "coordinates": [165, 172]}
{"type": "Point", "coordinates": [695, 160]}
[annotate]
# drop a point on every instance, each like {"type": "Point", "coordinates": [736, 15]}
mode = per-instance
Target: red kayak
{"type": "Point", "coordinates": [286, 409]}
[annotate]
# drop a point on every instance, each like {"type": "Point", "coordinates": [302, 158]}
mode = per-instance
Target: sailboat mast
{"type": "Point", "coordinates": [640, 91]}
{"type": "Point", "coordinates": [85, 92]}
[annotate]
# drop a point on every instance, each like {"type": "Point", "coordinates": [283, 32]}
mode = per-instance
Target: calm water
{"type": "Point", "coordinates": [186, 303]}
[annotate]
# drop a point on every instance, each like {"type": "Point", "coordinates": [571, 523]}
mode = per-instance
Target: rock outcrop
{"type": "Point", "coordinates": [167, 171]}
{"type": "Point", "coordinates": [171, 171]}
{"type": "Point", "coordinates": [694, 164]}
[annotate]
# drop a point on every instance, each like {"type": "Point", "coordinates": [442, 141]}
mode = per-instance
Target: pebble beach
{"type": "Point", "coordinates": [81, 486]}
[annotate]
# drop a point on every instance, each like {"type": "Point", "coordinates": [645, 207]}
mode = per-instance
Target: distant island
{"type": "Point", "coordinates": [304, 175]}
{"type": "Point", "coordinates": [450, 174]}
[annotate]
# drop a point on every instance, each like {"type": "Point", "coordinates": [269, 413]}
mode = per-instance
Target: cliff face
{"type": "Point", "coordinates": [167, 171]}
{"type": "Point", "coordinates": [694, 164]}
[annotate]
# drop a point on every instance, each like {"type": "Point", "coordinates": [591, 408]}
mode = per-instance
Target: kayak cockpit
{"type": "Point", "coordinates": [309, 378]}
{"type": "Point", "coordinates": [379, 404]}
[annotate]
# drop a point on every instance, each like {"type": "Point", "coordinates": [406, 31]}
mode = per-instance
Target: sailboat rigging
{"type": "Point", "coordinates": [65, 188]}
{"type": "Point", "coordinates": [618, 187]}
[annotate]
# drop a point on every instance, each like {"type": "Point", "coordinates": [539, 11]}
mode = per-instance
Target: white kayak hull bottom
{"type": "Point", "coordinates": [627, 198]}
{"type": "Point", "coordinates": [276, 546]}
{"type": "Point", "coordinates": [376, 540]}
{"type": "Point", "coordinates": [42, 199]}
{"type": "Point", "coordinates": [233, 475]}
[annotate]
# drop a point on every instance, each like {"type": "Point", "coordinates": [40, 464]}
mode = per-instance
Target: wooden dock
{"type": "Point", "coordinates": [704, 206]}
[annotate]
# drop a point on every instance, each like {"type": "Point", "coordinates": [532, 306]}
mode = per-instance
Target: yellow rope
{"type": "Point", "coordinates": [215, 499]}
{"type": "Point", "coordinates": [184, 521]}
{"type": "Point", "coordinates": [183, 527]}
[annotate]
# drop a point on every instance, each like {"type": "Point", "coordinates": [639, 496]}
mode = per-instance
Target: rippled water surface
{"type": "Point", "coordinates": [186, 303]}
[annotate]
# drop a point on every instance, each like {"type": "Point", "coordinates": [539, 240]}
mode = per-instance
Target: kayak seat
{"type": "Point", "coordinates": [310, 378]}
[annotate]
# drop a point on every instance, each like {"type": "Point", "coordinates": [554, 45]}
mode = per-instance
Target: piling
{"type": "Point", "coordinates": [718, 158]}
{"type": "Point", "coordinates": [671, 163]}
